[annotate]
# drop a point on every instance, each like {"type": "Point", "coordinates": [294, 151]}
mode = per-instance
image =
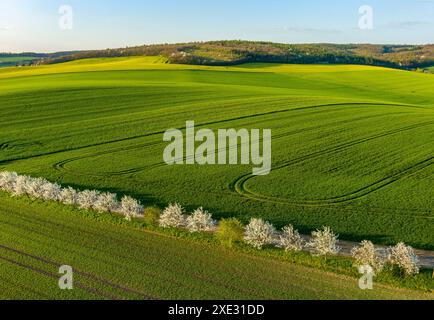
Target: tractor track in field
{"type": "Point", "coordinates": [61, 165]}
{"type": "Point", "coordinates": [105, 295]}
{"type": "Point", "coordinates": [56, 276]}
{"type": "Point", "coordinates": [85, 275]}
{"type": "Point", "coordinates": [4, 145]}
{"type": "Point", "coordinates": [200, 277]}
{"type": "Point", "coordinates": [8, 145]}
{"type": "Point", "coordinates": [244, 191]}
{"type": "Point", "coordinates": [152, 275]}
{"type": "Point", "coordinates": [168, 279]}
{"type": "Point", "coordinates": [182, 128]}
{"type": "Point", "coordinates": [426, 261]}
{"type": "Point", "coordinates": [234, 272]}
{"type": "Point", "coordinates": [207, 124]}
{"type": "Point", "coordinates": [239, 185]}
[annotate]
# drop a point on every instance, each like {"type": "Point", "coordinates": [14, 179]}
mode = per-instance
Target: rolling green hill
{"type": "Point", "coordinates": [114, 262]}
{"type": "Point", "coordinates": [352, 145]}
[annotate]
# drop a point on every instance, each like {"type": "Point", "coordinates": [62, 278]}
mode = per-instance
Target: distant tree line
{"type": "Point", "coordinates": [225, 53]}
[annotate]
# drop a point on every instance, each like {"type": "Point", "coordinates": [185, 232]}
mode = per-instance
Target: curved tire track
{"type": "Point", "coordinates": [86, 275]}
{"type": "Point", "coordinates": [61, 166]}
{"type": "Point", "coordinates": [239, 185]}
{"type": "Point", "coordinates": [56, 276]}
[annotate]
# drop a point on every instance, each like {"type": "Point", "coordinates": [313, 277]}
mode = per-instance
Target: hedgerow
{"type": "Point", "coordinates": [39, 188]}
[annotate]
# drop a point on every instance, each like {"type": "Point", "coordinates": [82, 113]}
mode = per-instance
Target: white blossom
{"type": "Point", "coordinates": [7, 180]}
{"type": "Point", "coordinates": [106, 202]}
{"type": "Point", "coordinates": [404, 257]}
{"type": "Point", "coordinates": [172, 216]}
{"type": "Point", "coordinates": [21, 185]}
{"type": "Point", "coordinates": [131, 208]}
{"type": "Point", "coordinates": [35, 187]}
{"type": "Point", "coordinates": [68, 196]}
{"type": "Point", "coordinates": [367, 255]}
{"type": "Point", "coordinates": [87, 199]}
{"type": "Point", "coordinates": [324, 242]}
{"type": "Point", "coordinates": [290, 239]}
{"type": "Point", "coordinates": [50, 191]}
{"type": "Point", "coordinates": [259, 233]}
{"type": "Point", "coordinates": [200, 220]}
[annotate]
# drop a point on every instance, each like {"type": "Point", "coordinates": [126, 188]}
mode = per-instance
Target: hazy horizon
{"type": "Point", "coordinates": [199, 41]}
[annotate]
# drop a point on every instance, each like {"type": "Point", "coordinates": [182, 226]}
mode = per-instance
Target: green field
{"type": "Point", "coordinates": [352, 145]}
{"type": "Point", "coordinates": [119, 262]}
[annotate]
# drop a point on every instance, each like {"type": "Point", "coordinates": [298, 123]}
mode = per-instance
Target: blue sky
{"type": "Point", "coordinates": [32, 25]}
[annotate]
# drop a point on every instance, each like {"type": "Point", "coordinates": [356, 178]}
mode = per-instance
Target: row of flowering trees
{"type": "Point", "coordinates": [258, 233]}
{"type": "Point", "coordinates": [39, 188]}
{"type": "Point", "coordinates": [400, 256]}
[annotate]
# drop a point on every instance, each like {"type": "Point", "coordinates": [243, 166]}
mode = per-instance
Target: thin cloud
{"type": "Point", "coordinates": [310, 30]}
{"type": "Point", "coordinates": [293, 29]}
{"type": "Point", "coordinates": [405, 24]}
